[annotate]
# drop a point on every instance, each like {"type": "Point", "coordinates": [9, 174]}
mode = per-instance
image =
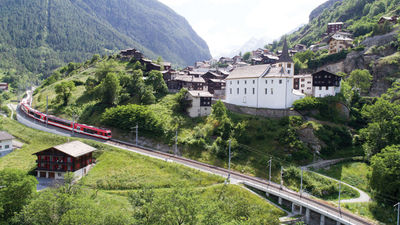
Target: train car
{"type": "Point", "coordinates": [93, 131]}
{"type": "Point", "coordinates": [58, 122]}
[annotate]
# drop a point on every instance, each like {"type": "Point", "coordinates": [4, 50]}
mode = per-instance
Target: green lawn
{"type": "Point", "coordinates": [373, 211]}
{"type": "Point", "coordinates": [353, 173]}
{"type": "Point", "coordinates": [118, 172]}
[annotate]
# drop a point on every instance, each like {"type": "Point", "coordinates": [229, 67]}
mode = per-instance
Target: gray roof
{"type": "Point", "coordinates": [285, 53]}
{"type": "Point", "coordinates": [276, 72]}
{"type": "Point", "coordinates": [5, 136]}
{"type": "Point", "coordinates": [200, 94]}
{"type": "Point", "coordinates": [190, 79]}
{"type": "Point", "coordinates": [75, 148]}
{"type": "Point", "coordinates": [248, 72]}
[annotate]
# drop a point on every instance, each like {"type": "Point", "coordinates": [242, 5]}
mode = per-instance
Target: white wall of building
{"type": "Point", "coordinates": [6, 147]}
{"type": "Point", "coordinates": [305, 85]}
{"type": "Point", "coordinates": [264, 92]}
{"type": "Point", "coordinates": [196, 110]}
{"type": "Point", "coordinates": [321, 92]}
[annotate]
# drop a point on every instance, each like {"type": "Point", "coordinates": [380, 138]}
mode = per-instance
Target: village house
{"type": "Point", "coordinates": [200, 103]}
{"type": "Point", "coordinates": [4, 86]}
{"type": "Point", "coordinates": [391, 19]}
{"type": "Point", "coordinates": [166, 65]}
{"type": "Point", "coordinates": [264, 86]}
{"type": "Point", "coordinates": [300, 47]}
{"type": "Point", "coordinates": [338, 44]}
{"type": "Point", "coordinates": [188, 82]}
{"type": "Point", "coordinates": [131, 53]}
{"type": "Point", "coordinates": [325, 84]}
{"type": "Point", "coordinates": [334, 27]}
{"type": "Point", "coordinates": [303, 83]}
{"type": "Point", "coordinates": [6, 145]}
{"type": "Point", "coordinates": [265, 59]}
{"type": "Point", "coordinates": [75, 157]}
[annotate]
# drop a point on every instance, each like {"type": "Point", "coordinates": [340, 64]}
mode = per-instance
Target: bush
{"type": "Point", "coordinates": [327, 59]}
{"type": "Point", "coordinates": [334, 137]}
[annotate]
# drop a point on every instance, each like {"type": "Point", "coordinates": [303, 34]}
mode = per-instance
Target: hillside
{"type": "Point", "coordinates": [37, 36]}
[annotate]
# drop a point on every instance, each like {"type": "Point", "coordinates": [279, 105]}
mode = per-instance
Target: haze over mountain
{"type": "Point", "coordinates": [40, 35]}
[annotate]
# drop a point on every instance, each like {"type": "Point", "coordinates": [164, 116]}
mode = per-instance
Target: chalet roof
{"type": "Point", "coordinates": [248, 72]}
{"type": "Point", "coordinates": [166, 64]}
{"type": "Point", "coordinates": [74, 148]}
{"type": "Point", "coordinates": [200, 94]}
{"type": "Point", "coordinates": [217, 81]}
{"type": "Point", "coordinates": [324, 72]}
{"type": "Point", "coordinates": [285, 53]}
{"type": "Point", "coordinates": [340, 38]}
{"type": "Point", "coordinates": [271, 56]}
{"type": "Point", "coordinates": [193, 79]}
{"type": "Point", "coordinates": [336, 23]}
{"type": "Point", "coordinates": [5, 136]}
{"type": "Point", "coordinates": [303, 76]}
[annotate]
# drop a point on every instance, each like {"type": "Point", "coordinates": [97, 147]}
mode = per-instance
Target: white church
{"type": "Point", "coordinates": [264, 86]}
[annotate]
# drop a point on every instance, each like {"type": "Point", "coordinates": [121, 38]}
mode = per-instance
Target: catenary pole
{"type": "Point", "coordinates": [229, 162]}
{"type": "Point", "coordinates": [176, 142]}
{"type": "Point", "coordinates": [340, 187]}
{"type": "Point", "coordinates": [47, 111]}
{"type": "Point", "coordinates": [137, 130]}
{"type": "Point", "coordinates": [270, 165]}
{"type": "Point", "coordinates": [281, 177]}
{"type": "Point", "coordinates": [398, 213]}
{"type": "Point", "coordinates": [301, 183]}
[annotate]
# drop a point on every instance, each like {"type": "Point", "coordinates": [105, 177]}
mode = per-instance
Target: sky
{"type": "Point", "coordinates": [226, 25]}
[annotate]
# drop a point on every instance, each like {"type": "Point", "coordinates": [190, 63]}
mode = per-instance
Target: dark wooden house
{"type": "Point", "coordinates": [325, 79]}
{"type": "Point", "coordinates": [188, 82]}
{"type": "Point", "coordinates": [54, 162]}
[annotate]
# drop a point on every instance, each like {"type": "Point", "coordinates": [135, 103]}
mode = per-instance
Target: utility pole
{"type": "Point", "coordinates": [270, 163]}
{"type": "Point", "coordinates": [229, 161]}
{"type": "Point", "coordinates": [398, 213]}
{"type": "Point", "coordinates": [176, 142]}
{"type": "Point", "coordinates": [281, 177]}
{"type": "Point", "coordinates": [47, 111]}
{"type": "Point", "coordinates": [301, 183]}
{"type": "Point", "coordinates": [340, 187]}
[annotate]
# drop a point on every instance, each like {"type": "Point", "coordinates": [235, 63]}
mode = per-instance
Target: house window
{"type": "Point", "coordinates": [238, 91]}
{"type": "Point", "coordinates": [254, 81]}
{"type": "Point", "coordinates": [266, 91]}
{"type": "Point", "coordinates": [289, 65]}
{"type": "Point", "coordinates": [320, 88]}
{"type": "Point", "coordinates": [1, 147]}
{"type": "Point", "coordinates": [254, 91]}
{"type": "Point", "coordinates": [280, 81]}
{"type": "Point", "coordinates": [327, 88]}
{"type": "Point", "coordinates": [308, 82]}
{"type": "Point", "coordinates": [69, 159]}
{"type": "Point", "coordinates": [7, 146]}
{"type": "Point", "coordinates": [245, 91]}
{"type": "Point", "coordinates": [230, 90]}
{"type": "Point", "coordinates": [280, 65]}
{"type": "Point", "coordinates": [302, 79]}
{"type": "Point", "coordinates": [272, 91]}
{"type": "Point", "coordinates": [302, 85]}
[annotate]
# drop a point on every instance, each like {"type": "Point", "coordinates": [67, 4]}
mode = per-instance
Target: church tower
{"type": "Point", "coordinates": [285, 61]}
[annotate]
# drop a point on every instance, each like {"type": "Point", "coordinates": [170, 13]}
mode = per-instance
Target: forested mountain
{"type": "Point", "coordinates": [37, 36]}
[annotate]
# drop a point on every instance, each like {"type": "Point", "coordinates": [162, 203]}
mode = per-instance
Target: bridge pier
{"type": "Point", "coordinates": [322, 220]}
{"type": "Point", "coordinates": [307, 215]}
{"type": "Point", "coordinates": [280, 201]}
{"type": "Point", "coordinates": [293, 207]}
{"type": "Point", "coordinates": [337, 223]}
{"type": "Point", "coordinates": [301, 210]}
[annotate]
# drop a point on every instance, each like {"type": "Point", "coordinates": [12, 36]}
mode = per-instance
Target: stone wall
{"type": "Point", "coordinates": [271, 113]}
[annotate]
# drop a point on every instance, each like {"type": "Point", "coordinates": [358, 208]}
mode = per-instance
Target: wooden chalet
{"type": "Point", "coordinates": [54, 162]}
{"type": "Point", "coordinates": [325, 79]}
{"type": "Point", "coordinates": [391, 19]}
{"type": "Point", "coordinates": [188, 82]}
{"type": "Point", "coordinates": [131, 53]}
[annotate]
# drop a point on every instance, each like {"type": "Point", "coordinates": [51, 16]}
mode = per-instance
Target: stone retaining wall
{"type": "Point", "coordinates": [271, 113]}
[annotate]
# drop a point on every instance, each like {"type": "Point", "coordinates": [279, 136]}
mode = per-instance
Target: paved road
{"type": "Point", "coordinates": [235, 176]}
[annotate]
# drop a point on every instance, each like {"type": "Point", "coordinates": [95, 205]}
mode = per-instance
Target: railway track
{"type": "Point", "coordinates": [347, 216]}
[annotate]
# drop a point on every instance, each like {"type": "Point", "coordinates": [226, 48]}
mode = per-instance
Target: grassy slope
{"type": "Point", "coordinates": [353, 173]}
{"type": "Point", "coordinates": [118, 171]}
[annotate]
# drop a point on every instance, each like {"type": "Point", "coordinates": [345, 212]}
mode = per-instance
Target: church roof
{"type": "Point", "coordinates": [248, 72]}
{"type": "Point", "coordinates": [285, 53]}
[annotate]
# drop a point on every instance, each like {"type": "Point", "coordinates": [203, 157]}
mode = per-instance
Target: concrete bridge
{"type": "Point", "coordinates": [313, 212]}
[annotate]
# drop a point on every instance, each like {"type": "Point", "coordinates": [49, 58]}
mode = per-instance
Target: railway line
{"type": "Point", "coordinates": [347, 216]}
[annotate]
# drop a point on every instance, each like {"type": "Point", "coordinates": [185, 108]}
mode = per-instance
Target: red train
{"type": "Point", "coordinates": [66, 124]}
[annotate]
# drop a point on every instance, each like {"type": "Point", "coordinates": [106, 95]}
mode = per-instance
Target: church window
{"type": "Point", "coordinates": [237, 82]}
{"type": "Point", "coordinates": [254, 81]}
{"type": "Point", "coordinates": [230, 90]}
{"type": "Point", "coordinates": [245, 91]}
{"type": "Point", "coordinates": [245, 82]}
{"type": "Point", "coordinates": [238, 91]}
{"type": "Point", "coordinates": [280, 81]}
{"type": "Point", "coordinates": [230, 82]}
{"type": "Point", "coordinates": [266, 81]}
{"type": "Point", "coordinates": [272, 91]}
{"type": "Point", "coordinates": [266, 91]}
{"type": "Point", "coordinates": [272, 81]}
{"type": "Point", "coordinates": [254, 91]}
